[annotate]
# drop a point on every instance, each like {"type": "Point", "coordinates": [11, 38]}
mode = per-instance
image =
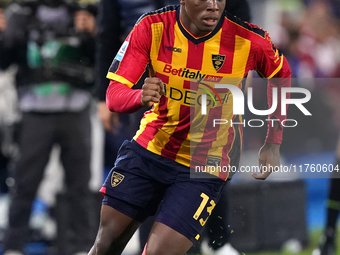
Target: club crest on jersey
{"type": "Point", "coordinates": [116, 179]}
{"type": "Point", "coordinates": [218, 61]}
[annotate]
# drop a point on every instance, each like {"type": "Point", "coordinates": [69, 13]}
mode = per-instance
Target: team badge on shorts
{"type": "Point", "coordinates": [116, 179]}
{"type": "Point", "coordinates": [218, 61]}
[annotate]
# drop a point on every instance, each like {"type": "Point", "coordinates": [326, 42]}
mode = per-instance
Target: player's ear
{"type": "Point", "coordinates": [182, 2]}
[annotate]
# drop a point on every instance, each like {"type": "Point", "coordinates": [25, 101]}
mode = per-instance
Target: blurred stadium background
{"type": "Point", "coordinates": [307, 31]}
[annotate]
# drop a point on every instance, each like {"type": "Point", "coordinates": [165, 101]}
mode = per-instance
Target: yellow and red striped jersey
{"type": "Point", "coordinates": [185, 63]}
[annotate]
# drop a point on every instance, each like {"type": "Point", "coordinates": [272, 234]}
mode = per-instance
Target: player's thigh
{"type": "Point", "coordinates": [129, 188]}
{"type": "Point", "coordinates": [187, 205]}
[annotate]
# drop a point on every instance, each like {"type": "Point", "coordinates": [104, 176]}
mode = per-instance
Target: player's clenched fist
{"type": "Point", "coordinates": [153, 89]}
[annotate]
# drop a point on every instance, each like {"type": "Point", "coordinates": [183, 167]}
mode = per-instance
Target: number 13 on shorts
{"type": "Point", "coordinates": [202, 206]}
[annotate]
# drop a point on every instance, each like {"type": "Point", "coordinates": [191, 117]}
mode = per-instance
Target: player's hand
{"type": "Point", "coordinates": [109, 119]}
{"type": "Point", "coordinates": [153, 89]}
{"type": "Point", "coordinates": [269, 156]}
{"type": "Point", "coordinates": [3, 20]}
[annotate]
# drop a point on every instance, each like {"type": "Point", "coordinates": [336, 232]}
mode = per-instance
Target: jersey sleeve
{"type": "Point", "coordinates": [269, 59]}
{"type": "Point", "coordinates": [133, 56]}
{"type": "Point", "coordinates": [122, 99]}
{"type": "Point", "coordinates": [270, 63]}
{"type": "Point", "coordinates": [281, 79]}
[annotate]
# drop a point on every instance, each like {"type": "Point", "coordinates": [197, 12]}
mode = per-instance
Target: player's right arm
{"type": "Point", "coordinates": [127, 68]}
{"type": "Point", "coordinates": [122, 99]}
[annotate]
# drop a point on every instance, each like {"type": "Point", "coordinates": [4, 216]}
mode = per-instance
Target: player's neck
{"type": "Point", "coordinates": [192, 29]}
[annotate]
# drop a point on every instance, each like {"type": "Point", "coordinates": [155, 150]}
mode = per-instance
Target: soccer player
{"type": "Point", "coordinates": [185, 46]}
{"type": "Point", "coordinates": [327, 243]}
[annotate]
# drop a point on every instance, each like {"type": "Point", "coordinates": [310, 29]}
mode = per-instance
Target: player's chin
{"type": "Point", "coordinates": [206, 28]}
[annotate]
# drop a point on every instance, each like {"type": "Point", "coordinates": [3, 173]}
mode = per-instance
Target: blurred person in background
{"type": "Point", "coordinates": [9, 114]}
{"type": "Point", "coordinates": [309, 36]}
{"type": "Point", "coordinates": [318, 44]}
{"type": "Point", "coordinates": [52, 43]}
{"type": "Point", "coordinates": [9, 118]}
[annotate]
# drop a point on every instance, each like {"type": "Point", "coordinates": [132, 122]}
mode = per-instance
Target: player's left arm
{"type": "Point", "coordinates": [273, 66]}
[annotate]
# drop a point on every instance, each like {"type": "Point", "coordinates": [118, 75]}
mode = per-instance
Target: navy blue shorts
{"type": "Point", "coordinates": [142, 182]}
